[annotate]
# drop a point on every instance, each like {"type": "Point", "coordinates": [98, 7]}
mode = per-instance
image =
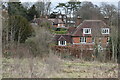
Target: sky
{"type": "Point", "coordinates": [97, 2]}
{"type": "Point", "coordinates": [54, 2]}
{"type": "Point", "coordinates": [111, 1]}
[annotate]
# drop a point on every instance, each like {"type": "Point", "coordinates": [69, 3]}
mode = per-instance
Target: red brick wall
{"type": "Point", "coordinates": [76, 39]}
{"type": "Point", "coordinates": [88, 40]}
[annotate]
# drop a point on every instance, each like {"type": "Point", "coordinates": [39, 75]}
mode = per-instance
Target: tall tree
{"type": "Point", "coordinates": [19, 28]}
{"type": "Point", "coordinates": [16, 8]}
{"type": "Point", "coordinates": [89, 11]}
{"type": "Point", "coordinates": [70, 8]}
{"type": "Point", "coordinates": [43, 8]}
{"type": "Point", "coordinates": [110, 11]}
{"type": "Point", "coordinates": [32, 12]}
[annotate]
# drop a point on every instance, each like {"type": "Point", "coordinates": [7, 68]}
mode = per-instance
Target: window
{"type": "Point", "coordinates": [108, 39]}
{"type": "Point", "coordinates": [83, 39]}
{"type": "Point", "coordinates": [105, 30]}
{"type": "Point", "coordinates": [86, 30]}
{"type": "Point", "coordinates": [61, 43]}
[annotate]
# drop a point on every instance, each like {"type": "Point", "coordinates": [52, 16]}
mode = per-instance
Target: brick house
{"type": "Point", "coordinates": [54, 22]}
{"type": "Point", "coordinates": [58, 23]}
{"type": "Point", "coordinates": [87, 33]}
{"type": "Point", "coordinates": [63, 40]}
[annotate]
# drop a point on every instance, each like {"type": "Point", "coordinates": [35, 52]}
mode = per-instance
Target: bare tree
{"type": "Point", "coordinates": [110, 11]}
{"type": "Point", "coordinates": [43, 7]}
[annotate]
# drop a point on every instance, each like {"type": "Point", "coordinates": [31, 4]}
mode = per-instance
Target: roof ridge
{"type": "Point", "coordinates": [61, 37]}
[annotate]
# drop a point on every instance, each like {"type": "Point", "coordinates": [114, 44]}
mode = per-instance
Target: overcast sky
{"type": "Point", "coordinates": [68, 0]}
{"type": "Point", "coordinates": [54, 2]}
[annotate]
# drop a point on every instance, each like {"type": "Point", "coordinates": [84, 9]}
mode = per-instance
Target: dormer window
{"type": "Point", "coordinates": [105, 30]}
{"type": "Point", "coordinates": [86, 30]}
{"type": "Point", "coordinates": [62, 43]}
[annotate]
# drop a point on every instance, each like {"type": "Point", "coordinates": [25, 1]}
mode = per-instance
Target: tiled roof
{"type": "Point", "coordinates": [71, 30]}
{"type": "Point", "coordinates": [95, 26]}
{"type": "Point", "coordinates": [61, 38]}
{"type": "Point", "coordinates": [66, 37]}
{"type": "Point", "coordinates": [57, 21]}
{"type": "Point", "coordinates": [41, 20]}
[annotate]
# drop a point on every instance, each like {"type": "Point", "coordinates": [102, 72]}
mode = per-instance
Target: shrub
{"type": "Point", "coordinates": [60, 32]}
{"type": "Point", "coordinates": [39, 45]}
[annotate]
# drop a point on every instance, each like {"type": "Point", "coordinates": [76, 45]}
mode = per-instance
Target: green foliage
{"type": "Point", "coordinates": [33, 46]}
{"type": "Point", "coordinates": [62, 29]}
{"type": "Point", "coordinates": [60, 32]}
{"type": "Point", "coordinates": [16, 8]}
{"type": "Point", "coordinates": [53, 15]}
{"type": "Point", "coordinates": [32, 12]}
{"type": "Point", "coordinates": [19, 28]}
{"type": "Point", "coordinates": [7, 54]}
{"type": "Point", "coordinates": [47, 25]}
{"type": "Point", "coordinates": [71, 5]}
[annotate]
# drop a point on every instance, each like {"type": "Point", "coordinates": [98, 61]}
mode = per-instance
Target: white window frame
{"type": "Point", "coordinates": [59, 43]}
{"type": "Point", "coordinates": [104, 30]}
{"type": "Point", "coordinates": [84, 29]}
{"type": "Point", "coordinates": [84, 40]}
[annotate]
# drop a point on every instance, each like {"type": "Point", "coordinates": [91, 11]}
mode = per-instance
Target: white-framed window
{"type": "Point", "coordinates": [105, 31]}
{"type": "Point", "coordinates": [86, 30]}
{"type": "Point", "coordinates": [83, 39]}
{"type": "Point", "coordinates": [62, 43]}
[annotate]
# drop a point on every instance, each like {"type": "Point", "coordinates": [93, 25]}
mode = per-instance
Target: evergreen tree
{"type": "Point", "coordinates": [16, 8]}
{"type": "Point", "coordinates": [32, 12]}
{"type": "Point", "coordinates": [19, 28]}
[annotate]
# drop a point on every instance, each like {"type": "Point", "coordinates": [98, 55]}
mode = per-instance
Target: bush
{"type": "Point", "coordinates": [19, 28]}
{"type": "Point", "coordinates": [7, 54]}
{"type": "Point", "coordinates": [60, 32]}
{"type": "Point", "coordinates": [39, 45]}
{"type": "Point", "coordinates": [62, 29]}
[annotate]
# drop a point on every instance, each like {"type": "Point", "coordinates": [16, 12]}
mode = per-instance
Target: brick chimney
{"type": "Point", "coordinates": [79, 20]}
{"type": "Point", "coordinates": [106, 20]}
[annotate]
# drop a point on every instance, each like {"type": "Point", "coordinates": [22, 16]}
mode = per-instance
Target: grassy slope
{"type": "Point", "coordinates": [67, 69]}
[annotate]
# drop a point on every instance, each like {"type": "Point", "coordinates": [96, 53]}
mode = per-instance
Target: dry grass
{"type": "Point", "coordinates": [57, 68]}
